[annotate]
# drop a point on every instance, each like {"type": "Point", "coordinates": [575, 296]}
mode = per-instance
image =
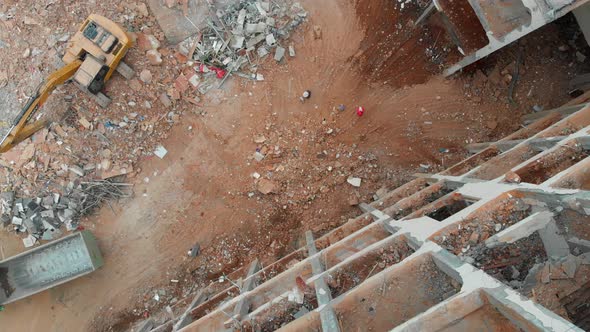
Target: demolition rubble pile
{"type": "Point", "coordinates": [42, 217]}
{"type": "Point", "coordinates": [47, 178]}
{"type": "Point", "coordinates": [238, 38]}
{"type": "Point", "coordinates": [54, 179]}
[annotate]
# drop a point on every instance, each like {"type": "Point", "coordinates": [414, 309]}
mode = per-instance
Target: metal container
{"type": "Point", "coordinates": [49, 265]}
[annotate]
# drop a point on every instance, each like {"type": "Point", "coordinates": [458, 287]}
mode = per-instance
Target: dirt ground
{"type": "Point", "coordinates": [203, 191]}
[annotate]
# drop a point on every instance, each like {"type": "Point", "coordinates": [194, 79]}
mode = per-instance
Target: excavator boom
{"type": "Point", "coordinates": [20, 130]}
{"type": "Point", "coordinates": [92, 56]}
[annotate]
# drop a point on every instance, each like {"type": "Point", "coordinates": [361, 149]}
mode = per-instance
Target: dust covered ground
{"type": "Point", "coordinates": [206, 190]}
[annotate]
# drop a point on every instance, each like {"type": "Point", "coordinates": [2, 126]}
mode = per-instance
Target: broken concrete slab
{"type": "Point", "coordinates": [253, 28]}
{"type": "Point", "coordinates": [258, 156]}
{"type": "Point", "coordinates": [47, 202]}
{"type": "Point", "coordinates": [353, 181]}
{"type": "Point", "coordinates": [570, 266]}
{"type": "Point", "coordinates": [270, 40]}
{"type": "Point", "coordinates": [154, 57]}
{"type": "Point", "coordinates": [302, 312]}
{"type": "Point", "coordinates": [255, 40]}
{"type": "Point", "coordinates": [17, 221]}
{"type": "Point", "coordinates": [160, 152]}
{"type": "Point", "coordinates": [29, 241]}
{"type": "Point", "coordinates": [47, 214]}
{"type": "Point", "coordinates": [241, 19]}
{"type": "Point", "coordinates": [555, 244]}
{"type": "Point", "coordinates": [262, 52]}
{"type": "Point", "coordinates": [31, 225]}
{"type": "Point", "coordinates": [279, 54]}
{"type": "Point", "coordinates": [237, 42]}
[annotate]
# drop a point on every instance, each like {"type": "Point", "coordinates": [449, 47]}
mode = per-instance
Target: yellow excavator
{"type": "Point", "coordinates": [93, 54]}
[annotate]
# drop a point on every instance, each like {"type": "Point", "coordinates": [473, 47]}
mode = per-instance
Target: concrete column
{"type": "Point", "coordinates": [582, 15]}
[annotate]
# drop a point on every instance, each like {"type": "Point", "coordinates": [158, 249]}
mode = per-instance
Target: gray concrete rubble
{"type": "Point", "coordinates": [47, 216]}
{"type": "Point", "coordinates": [238, 34]}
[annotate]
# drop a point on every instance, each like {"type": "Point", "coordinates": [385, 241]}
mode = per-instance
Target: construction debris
{"type": "Point", "coordinates": [42, 217]}
{"type": "Point", "coordinates": [311, 190]}
{"type": "Point", "coordinates": [194, 251]}
{"type": "Point", "coordinates": [266, 186]}
{"type": "Point", "coordinates": [237, 37]}
{"type": "Point", "coordinates": [160, 152]}
{"type": "Point", "coordinates": [355, 182]}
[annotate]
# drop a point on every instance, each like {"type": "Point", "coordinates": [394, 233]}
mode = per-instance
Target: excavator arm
{"type": "Point", "coordinates": [20, 130]}
{"type": "Point", "coordinates": [94, 53]}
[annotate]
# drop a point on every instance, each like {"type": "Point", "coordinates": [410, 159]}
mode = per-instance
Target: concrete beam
{"type": "Point", "coordinates": [584, 141]}
{"type": "Point", "coordinates": [243, 305]}
{"type": "Point", "coordinates": [186, 318]}
{"type": "Point", "coordinates": [425, 14]}
{"type": "Point", "coordinates": [538, 144]}
{"type": "Point", "coordinates": [323, 295]}
{"type": "Point", "coordinates": [310, 242]}
{"type": "Point", "coordinates": [521, 229]}
{"type": "Point", "coordinates": [564, 111]}
{"type": "Point", "coordinates": [378, 215]}
{"type": "Point", "coordinates": [375, 213]}
{"type": "Point", "coordinates": [251, 279]}
{"type": "Point", "coordinates": [582, 15]}
{"type": "Point", "coordinates": [399, 193]}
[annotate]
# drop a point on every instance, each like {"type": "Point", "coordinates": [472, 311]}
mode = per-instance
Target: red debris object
{"type": "Point", "coordinates": [303, 287]}
{"type": "Point", "coordinates": [80, 228]}
{"type": "Point", "coordinates": [218, 71]}
{"type": "Point", "coordinates": [360, 111]}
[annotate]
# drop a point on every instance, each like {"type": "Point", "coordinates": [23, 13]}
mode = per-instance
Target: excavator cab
{"type": "Point", "coordinates": [93, 54]}
{"type": "Point", "coordinates": [91, 74]}
{"type": "Point", "coordinates": [100, 44]}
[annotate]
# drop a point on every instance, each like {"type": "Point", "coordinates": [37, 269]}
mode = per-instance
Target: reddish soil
{"type": "Point", "coordinates": [465, 25]}
{"type": "Point", "coordinates": [395, 53]}
{"type": "Point", "coordinates": [203, 190]}
{"type": "Point", "coordinates": [549, 165]}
